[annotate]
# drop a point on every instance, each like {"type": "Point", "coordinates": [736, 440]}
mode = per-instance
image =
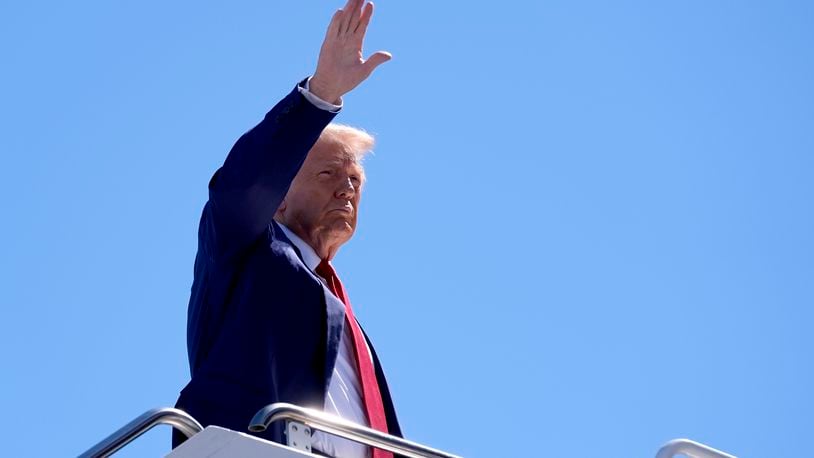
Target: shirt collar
{"type": "Point", "coordinates": [309, 256]}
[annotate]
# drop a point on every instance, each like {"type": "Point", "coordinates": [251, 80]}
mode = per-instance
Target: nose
{"type": "Point", "coordinates": [346, 189]}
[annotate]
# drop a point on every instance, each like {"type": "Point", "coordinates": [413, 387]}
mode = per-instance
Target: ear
{"type": "Point", "coordinates": [278, 215]}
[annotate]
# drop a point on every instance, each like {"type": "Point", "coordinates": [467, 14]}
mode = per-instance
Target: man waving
{"type": "Point", "coordinates": [269, 320]}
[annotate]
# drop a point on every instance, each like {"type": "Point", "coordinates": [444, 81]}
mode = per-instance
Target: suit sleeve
{"type": "Point", "coordinates": [246, 191]}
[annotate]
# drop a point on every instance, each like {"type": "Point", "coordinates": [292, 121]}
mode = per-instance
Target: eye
{"type": "Point", "coordinates": [325, 173]}
{"type": "Point", "coordinates": [356, 179]}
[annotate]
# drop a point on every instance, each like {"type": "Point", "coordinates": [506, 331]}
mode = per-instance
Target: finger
{"type": "Point", "coordinates": [348, 5]}
{"type": "Point", "coordinates": [378, 58]}
{"type": "Point", "coordinates": [355, 13]}
{"type": "Point", "coordinates": [333, 26]}
{"type": "Point", "coordinates": [364, 20]}
{"type": "Point", "coordinates": [343, 22]}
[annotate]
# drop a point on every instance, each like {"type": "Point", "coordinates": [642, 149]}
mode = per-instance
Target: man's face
{"type": "Point", "coordinates": [323, 201]}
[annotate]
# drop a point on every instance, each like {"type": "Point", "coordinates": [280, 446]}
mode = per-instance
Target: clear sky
{"type": "Point", "coordinates": [588, 227]}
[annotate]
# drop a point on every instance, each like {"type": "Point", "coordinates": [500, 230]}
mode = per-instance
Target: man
{"type": "Point", "coordinates": [269, 320]}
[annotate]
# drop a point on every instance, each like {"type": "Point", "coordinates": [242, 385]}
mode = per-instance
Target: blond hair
{"type": "Point", "coordinates": [355, 142]}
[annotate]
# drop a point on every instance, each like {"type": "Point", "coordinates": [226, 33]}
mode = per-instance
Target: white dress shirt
{"type": "Point", "coordinates": [344, 395]}
{"type": "Point", "coordinates": [319, 103]}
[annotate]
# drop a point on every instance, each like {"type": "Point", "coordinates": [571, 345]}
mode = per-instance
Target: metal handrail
{"type": "Point", "coordinates": [342, 428]}
{"type": "Point", "coordinates": [178, 419]}
{"type": "Point", "coordinates": [690, 448]}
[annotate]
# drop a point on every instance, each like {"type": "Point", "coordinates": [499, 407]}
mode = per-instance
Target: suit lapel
{"type": "Point", "coordinates": [393, 426]}
{"type": "Point", "coordinates": [335, 314]}
{"type": "Point", "coordinates": [334, 308]}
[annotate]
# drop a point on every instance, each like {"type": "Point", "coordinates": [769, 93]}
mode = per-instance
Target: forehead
{"type": "Point", "coordinates": [332, 154]}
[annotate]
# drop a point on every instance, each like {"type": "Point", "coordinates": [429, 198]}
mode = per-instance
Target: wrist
{"type": "Point", "coordinates": [317, 87]}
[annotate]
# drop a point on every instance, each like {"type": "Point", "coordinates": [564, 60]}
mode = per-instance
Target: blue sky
{"type": "Point", "coordinates": [603, 211]}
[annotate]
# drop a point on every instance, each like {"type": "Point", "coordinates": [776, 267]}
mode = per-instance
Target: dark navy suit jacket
{"type": "Point", "coordinates": [261, 326]}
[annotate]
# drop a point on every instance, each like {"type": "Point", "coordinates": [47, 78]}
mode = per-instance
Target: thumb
{"type": "Point", "coordinates": [376, 59]}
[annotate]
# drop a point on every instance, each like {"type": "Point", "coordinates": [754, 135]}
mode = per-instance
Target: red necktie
{"type": "Point", "coordinates": [370, 386]}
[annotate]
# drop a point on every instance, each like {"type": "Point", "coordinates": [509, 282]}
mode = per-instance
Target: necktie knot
{"type": "Point", "coordinates": [325, 270]}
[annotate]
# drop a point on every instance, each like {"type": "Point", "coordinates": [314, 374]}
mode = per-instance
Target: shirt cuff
{"type": "Point", "coordinates": [316, 101]}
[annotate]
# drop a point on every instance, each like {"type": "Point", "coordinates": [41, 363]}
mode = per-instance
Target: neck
{"type": "Point", "coordinates": [325, 250]}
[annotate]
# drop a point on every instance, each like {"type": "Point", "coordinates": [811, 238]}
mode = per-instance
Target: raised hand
{"type": "Point", "coordinates": [341, 66]}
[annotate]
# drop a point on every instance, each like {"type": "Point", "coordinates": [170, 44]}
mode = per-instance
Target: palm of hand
{"type": "Point", "coordinates": [341, 65]}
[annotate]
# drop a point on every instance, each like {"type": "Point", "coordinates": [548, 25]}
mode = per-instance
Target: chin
{"type": "Point", "coordinates": [345, 228]}
{"type": "Point", "coordinates": [348, 228]}
{"type": "Point", "coordinates": [339, 229]}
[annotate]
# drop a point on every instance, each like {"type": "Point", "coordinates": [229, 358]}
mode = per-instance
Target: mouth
{"type": "Point", "coordinates": [346, 209]}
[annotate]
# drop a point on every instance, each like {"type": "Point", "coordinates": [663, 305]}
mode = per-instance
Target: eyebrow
{"type": "Point", "coordinates": [341, 163]}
